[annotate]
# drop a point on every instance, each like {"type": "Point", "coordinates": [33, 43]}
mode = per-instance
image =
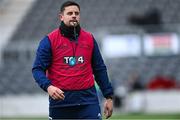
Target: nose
{"type": "Point", "coordinates": [74, 14]}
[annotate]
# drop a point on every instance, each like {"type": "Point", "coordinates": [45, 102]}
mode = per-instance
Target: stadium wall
{"type": "Point", "coordinates": [156, 102]}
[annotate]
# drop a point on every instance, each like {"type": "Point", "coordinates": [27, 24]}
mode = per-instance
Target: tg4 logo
{"type": "Point", "coordinates": [73, 60]}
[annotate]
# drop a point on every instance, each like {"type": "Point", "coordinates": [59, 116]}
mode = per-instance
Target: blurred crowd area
{"type": "Point", "coordinates": [101, 17]}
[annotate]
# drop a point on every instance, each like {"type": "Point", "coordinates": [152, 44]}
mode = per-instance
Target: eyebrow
{"type": "Point", "coordinates": [76, 12]}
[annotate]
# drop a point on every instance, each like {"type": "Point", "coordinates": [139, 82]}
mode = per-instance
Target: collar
{"type": "Point", "coordinates": [69, 31]}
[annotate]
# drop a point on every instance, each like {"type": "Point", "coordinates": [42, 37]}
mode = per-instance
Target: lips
{"type": "Point", "coordinates": [73, 21]}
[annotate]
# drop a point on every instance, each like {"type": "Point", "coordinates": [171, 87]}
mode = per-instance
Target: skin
{"type": "Point", "coordinates": [108, 108]}
{"type": "Point", "coordinates": [71, 17]}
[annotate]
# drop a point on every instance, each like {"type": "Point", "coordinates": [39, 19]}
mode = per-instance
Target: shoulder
{"type": "Point", "coordinates": [85, 31]}
{"type": "Point", "coordinates": [54, 33]}
{"type": "Point", "coordinates": [44, 43]}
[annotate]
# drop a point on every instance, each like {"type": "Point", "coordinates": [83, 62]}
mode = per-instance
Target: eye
{"type": "Point", "coordinates": [69, 13]}
{"type": "Point", "coordinates": [76, 13]}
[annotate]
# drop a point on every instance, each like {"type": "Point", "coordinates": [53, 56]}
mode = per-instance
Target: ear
{"type": "Point", "coordinates": [61, 16]}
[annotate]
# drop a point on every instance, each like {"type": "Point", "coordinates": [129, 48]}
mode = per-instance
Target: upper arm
{"type": "Point", "coordinates": [43, 54]}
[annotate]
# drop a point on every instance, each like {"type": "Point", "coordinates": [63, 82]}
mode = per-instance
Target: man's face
{"type": "Point", "coordinates": [70, 16]}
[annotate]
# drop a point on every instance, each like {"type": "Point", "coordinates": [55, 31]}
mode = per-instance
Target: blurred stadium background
{"type": "Point", "coordinates": [139, 39]}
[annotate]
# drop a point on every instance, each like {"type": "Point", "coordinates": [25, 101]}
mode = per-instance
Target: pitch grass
{"type": "Point", "coordinates": [118, 117]}
{"type": "Point", "coordinates": [146, 117]}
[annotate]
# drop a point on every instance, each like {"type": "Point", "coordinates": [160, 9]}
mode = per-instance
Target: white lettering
{"type": "Point", "coordinates": [81, 59]}
{"type": "Point", "coordinates": [66, 60]}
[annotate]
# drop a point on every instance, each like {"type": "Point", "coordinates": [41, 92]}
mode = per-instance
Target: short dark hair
{"type": "Point", "coordinates": [69, 3]}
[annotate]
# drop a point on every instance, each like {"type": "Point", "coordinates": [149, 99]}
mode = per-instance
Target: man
{"type": "Point", "coordinates": [68, 62]}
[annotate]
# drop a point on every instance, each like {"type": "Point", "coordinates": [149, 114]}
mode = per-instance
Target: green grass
{"type": "Point", "coordinates": [118, 117]}
{"type": "Point", "coordinates": [147, 116]}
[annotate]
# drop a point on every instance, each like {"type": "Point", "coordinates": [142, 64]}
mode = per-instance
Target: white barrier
{"type": "Point", "coordinates": [24, 105]}
{"type": "Point", "coordinates": [154, 102]}
{"type": "Point", "coordinates": [147, 102]}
